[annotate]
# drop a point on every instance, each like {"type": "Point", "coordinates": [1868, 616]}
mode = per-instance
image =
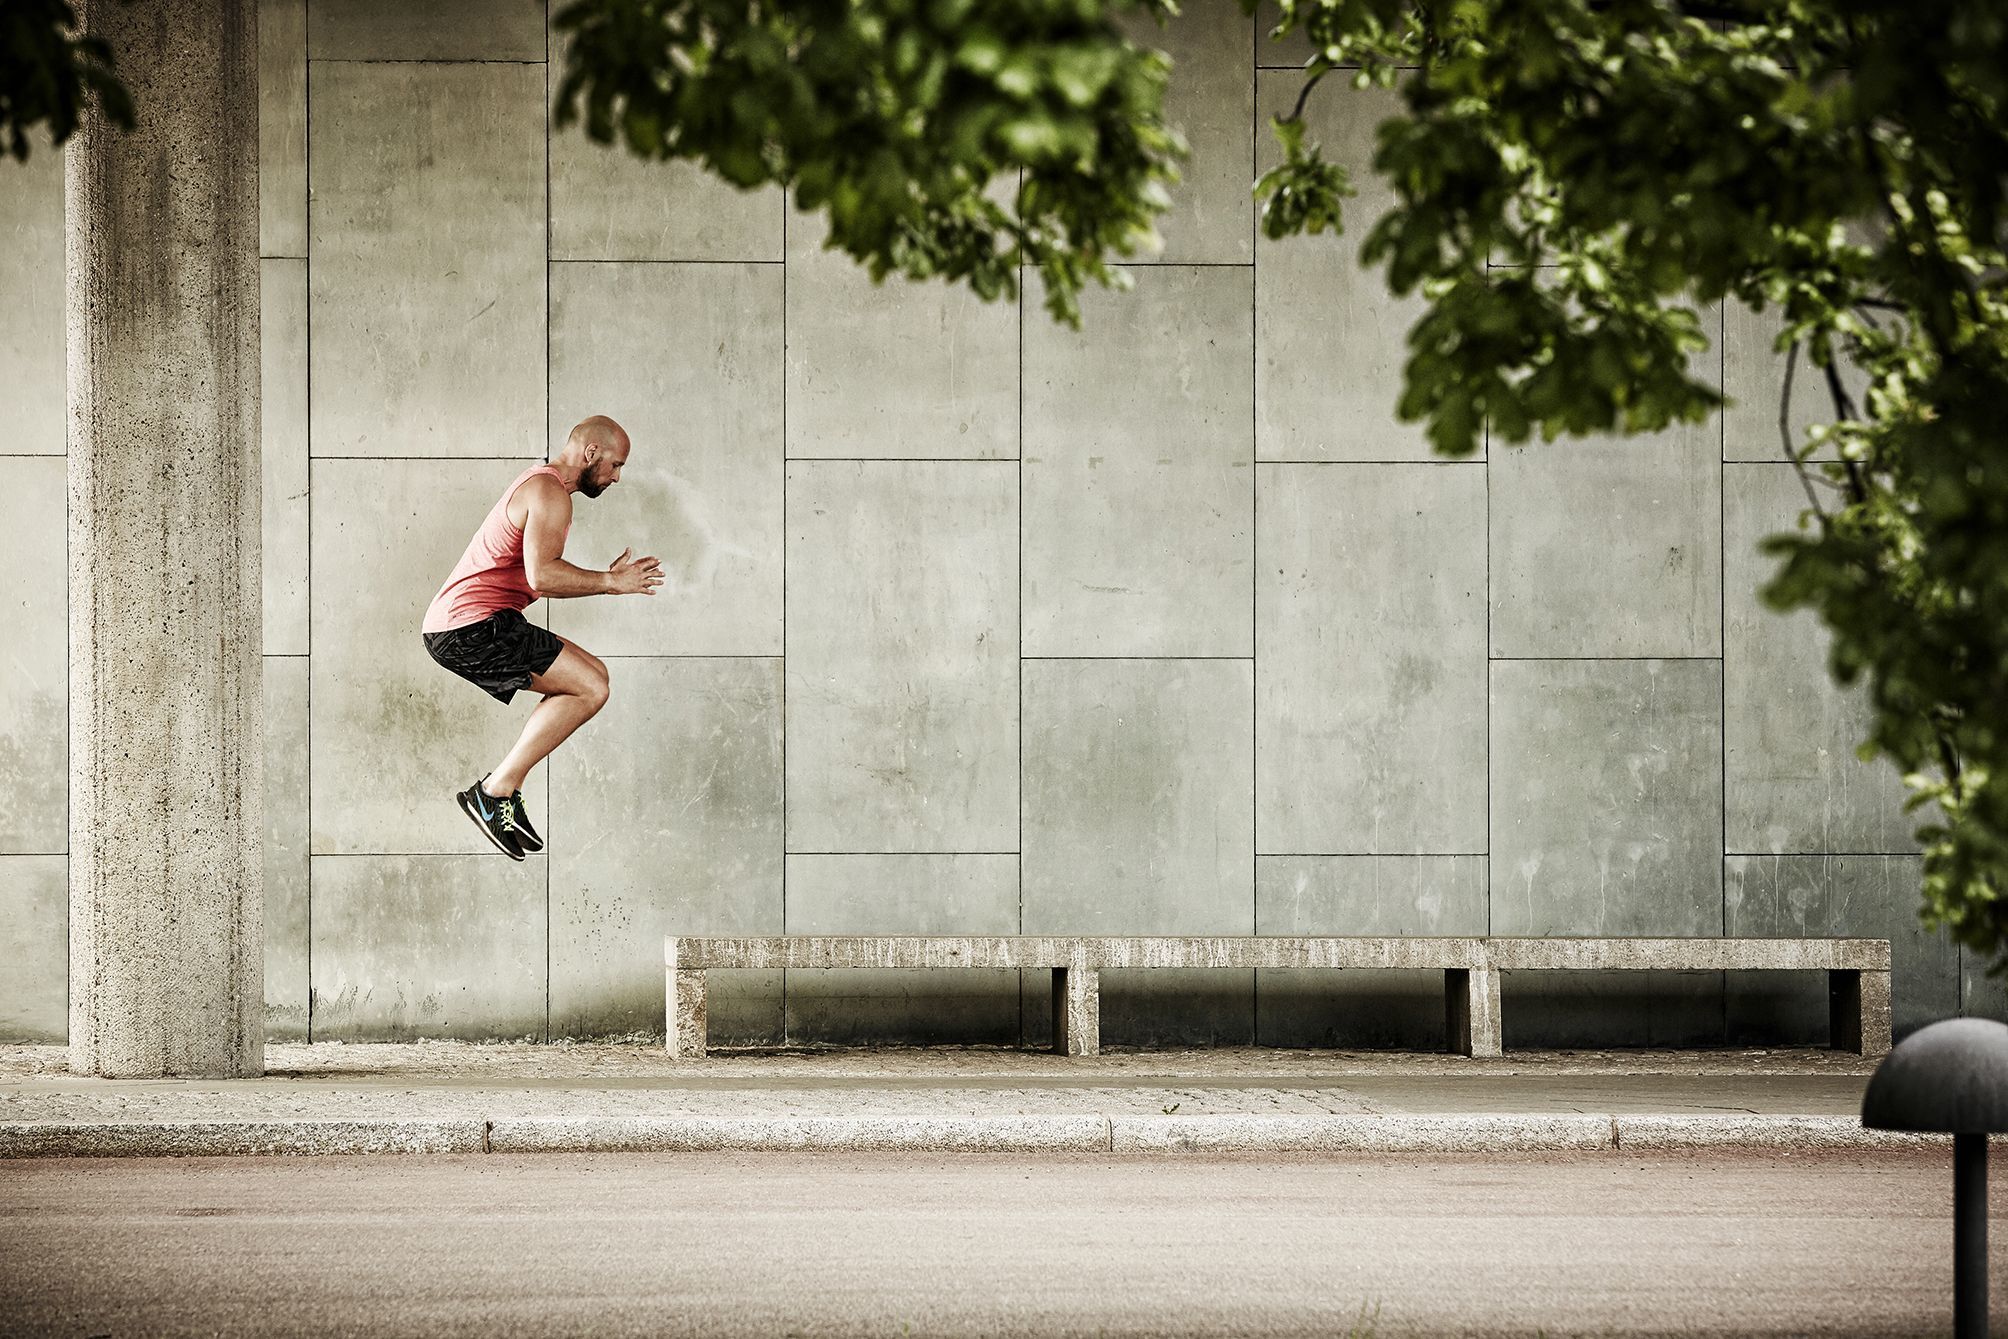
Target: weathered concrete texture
{"type": "Point", "coordinates": [666, 819]}
{"type": "Point", "coordinates": [428, 946]}
{"type": "Point", "coordinates": [1138, 818]}
{"type": "Point", "coordinates": [1606, 819]}
{"type": "Point", "coordinates": [1330, 340]}
{"type": "Point", "coordinates": [286, 908]}
{"type": "Point", "coordinates": [1370, 617]}
{"type": "Point", "coordinates": [34, 744]}
{"type": "Point", "coordinates": [1812, 895]}
{"type": "Point", "coordinates": [166, 941]}
{"type": "Point", "coordinates": [428, 258]}
{"type": "Point", "coordinates": [1211, 102]}
{"type": "Point", "coordinates": [607, 204]}
{"type": "Point", "coordinates": [144, 1139]}
{"type": "Point", "coordinates": [282, 128]}
{"type": "Point", "coordinates": [902, 676]}
{"type": "Point", "coordinates": [1542, 1009]}
{"type": "Point", "coordinates": [1288, 52]}
{"type": "Point", "coordinates": [1754, 381]}
{"type": "Point", "coordinates": [903, 894]}
{"type": "Point", "coordinates": [1981, 995]}
{"type": "Point", "coordinates": [34, 943]}
{"type": "Point", "coordinates": [1793, 782]}
{"type": "Point", "coordinates": [939, 1134]}
{"type": "Point", "coordinates": [283, 417]}
{"type": "Point", "coordinates": [1608, 547]}
{"type": "Point", "coordinates": [688, 359]}
{"type": "Point", "coordinates": [1606, 798]}
{"type": "Point", "coordinates": [1368, 895]}
{"type": "Point", "coordinates": [1360, 1134]}
{"type": "Point", "coordinates": [1138, 496]}
{"type": "Point", "coordinates": [465, 30]}
{"type": "Point", "coordinates": [31, 319]}
{"type": "Point", "coordinates": [894, 370]}
{"type": "Point", "coordinates": [1138, 797]}
{"type": "Point", "coordinates": [393, 734]}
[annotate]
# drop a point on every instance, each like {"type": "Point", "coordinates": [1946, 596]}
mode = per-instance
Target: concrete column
{"type": "Point", "coordinates": [166, 934]}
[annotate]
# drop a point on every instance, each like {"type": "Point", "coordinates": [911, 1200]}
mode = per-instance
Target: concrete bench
{"type": "Point", "coordinates": [1857, 970]}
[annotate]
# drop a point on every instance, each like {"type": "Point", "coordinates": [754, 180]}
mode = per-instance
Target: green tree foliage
{"type": "Point", "coordinates": [1575, 181]}
{"type": "Point", "coordinates": [892, 117]}
{"type": "Point", "coordinates": [1629, 161]}
{"type": "Point", "coordinates": [49, 75]}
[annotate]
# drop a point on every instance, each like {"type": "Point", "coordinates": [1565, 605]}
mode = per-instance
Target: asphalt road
{"type": "Point", "coordinates": [833, 1244]}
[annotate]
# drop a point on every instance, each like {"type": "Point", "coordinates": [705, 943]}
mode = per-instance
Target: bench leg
{"type": "Point", "coordinates": [1471, 1009]}
{"type": "Point", "coordinates": [686, 1013]}
{"type": "Point", "coordinates": [1858, 1012]}
{"type": "Point", "coordinates": [1077, 1011]}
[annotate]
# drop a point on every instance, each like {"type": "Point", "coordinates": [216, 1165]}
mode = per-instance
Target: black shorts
{"type": "Point", "coordinates": [498, 654]}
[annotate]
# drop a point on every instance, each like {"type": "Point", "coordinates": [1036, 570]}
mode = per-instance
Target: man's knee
{"type": "Point", "coordinates": [598, 688]}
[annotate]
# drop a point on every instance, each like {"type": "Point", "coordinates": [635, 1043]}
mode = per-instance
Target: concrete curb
{"type": "Point", "coordinates": [871, 1134]}
{"type": "Point", "coordinates": [1359, 1134]}
{"type": "Point", "coordinates": [171, 1139]}
{"type": "Point", "coordinates": [1485, 1133]}
{"type": "Point", "coordinates": [1791, 1133]}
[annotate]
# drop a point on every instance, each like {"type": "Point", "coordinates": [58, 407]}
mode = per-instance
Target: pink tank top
{"type": "Point", "coordinates": [489, 577]}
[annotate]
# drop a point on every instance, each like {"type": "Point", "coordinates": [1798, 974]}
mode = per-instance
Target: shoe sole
{"type": "Point", "coordinates": [467, 807]}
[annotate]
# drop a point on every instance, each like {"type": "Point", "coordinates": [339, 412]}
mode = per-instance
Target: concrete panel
{"type": "Point", "coordinates": [1981, 995]}
{"type": "Point", "coordinates": [286, 913]}
{"type": "Point", "coordinates": [904, 894]}
{"type": "Point", "coordinates": [32, 356]}
{"type": "Point", "coordinates": [35, 945]}
{"type": "Point", "coordinates": [1287, 53]}
{"type": "Point", "coordinates": [428, 246]}
{"type": "Point", "coordinates": [1608, 547]}
{"type": "Point", "coordinates": [428, 946]}
{"type": "Point", "coordinates": [1607, 798]}
{"type": "Point", "coordinates": [1794, 783]}
{"type": "Point", "coordinates": [1139, 797]}
{"type": "Point", "coordinates": [1809, 896]}
{"type": "Point", "coordinates": [1364, 895]}
{"type": "Point", "coordinates": [1330, 339]}
{"type": "Point", "coordinates": [511, 30]}
{"type": "Point", "coordinates": [1371, 895]}
{"type": "Point", "coordinates": [688, 359]}
{"type": "Point", "coordinates": [607, 204]}
{"type": "Point", "coordinates": [1138, 496]}
{"type": "Point", "coordinates": [1370, 612]}
{"type": "Point", "coordinates": [1754, 380]}
{"type": "Point", "coordinates": [282, 127]}
{"type": "Point", "coordinates": [666, 819]}
{"type": "Point", "coordinates": [1211, 102]}
{"type": "Point", "coordinates": [394, 735]}
{"type": "Point", "coordinates": [894, 370]}
{"type": "Point", "coordinates": [283, 448]}
{"type": "Point", "coordinates": [34, 693]}
{"type": "Point", "coordinates": [1546, 1010]}
{"type": "Point", "coordinates": [902, 656]}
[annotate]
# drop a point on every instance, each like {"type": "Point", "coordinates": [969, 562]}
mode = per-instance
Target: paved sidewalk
{"type": "Point", "coordinates": [521, 1097]}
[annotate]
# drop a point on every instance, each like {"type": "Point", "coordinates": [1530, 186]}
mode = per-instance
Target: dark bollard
{"type": "Point", "coordinates": [1969, 1234]}
{"type": "Point", "coordinates": [1952, 1077]}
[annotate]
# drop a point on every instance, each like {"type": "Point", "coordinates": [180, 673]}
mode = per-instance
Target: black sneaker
{"type": "Point", "coordinates": [526, 836]}
{"type": "Point", "coordinates": [494, 817]}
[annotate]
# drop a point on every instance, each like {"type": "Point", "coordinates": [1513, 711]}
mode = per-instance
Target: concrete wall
{"type": "Point", "coordinates": [981, 625]}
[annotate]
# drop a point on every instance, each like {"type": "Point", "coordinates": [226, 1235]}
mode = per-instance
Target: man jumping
{"type": "Point", "coordinates": [475, 625]}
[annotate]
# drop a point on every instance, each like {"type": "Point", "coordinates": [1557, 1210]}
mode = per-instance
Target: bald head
{"type": "Point", "coordinates": [596, 449]}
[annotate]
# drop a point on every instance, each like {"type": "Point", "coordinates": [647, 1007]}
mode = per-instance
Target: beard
{"type": "Point", "coordinates": [590, 486]}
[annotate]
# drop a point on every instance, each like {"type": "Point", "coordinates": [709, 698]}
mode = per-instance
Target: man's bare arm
{"type": "Point", "coordinates": [548, 515]}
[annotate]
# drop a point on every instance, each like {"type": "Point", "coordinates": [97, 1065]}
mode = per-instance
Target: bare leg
{"type": "Point", "coordinates": [574, 689]}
